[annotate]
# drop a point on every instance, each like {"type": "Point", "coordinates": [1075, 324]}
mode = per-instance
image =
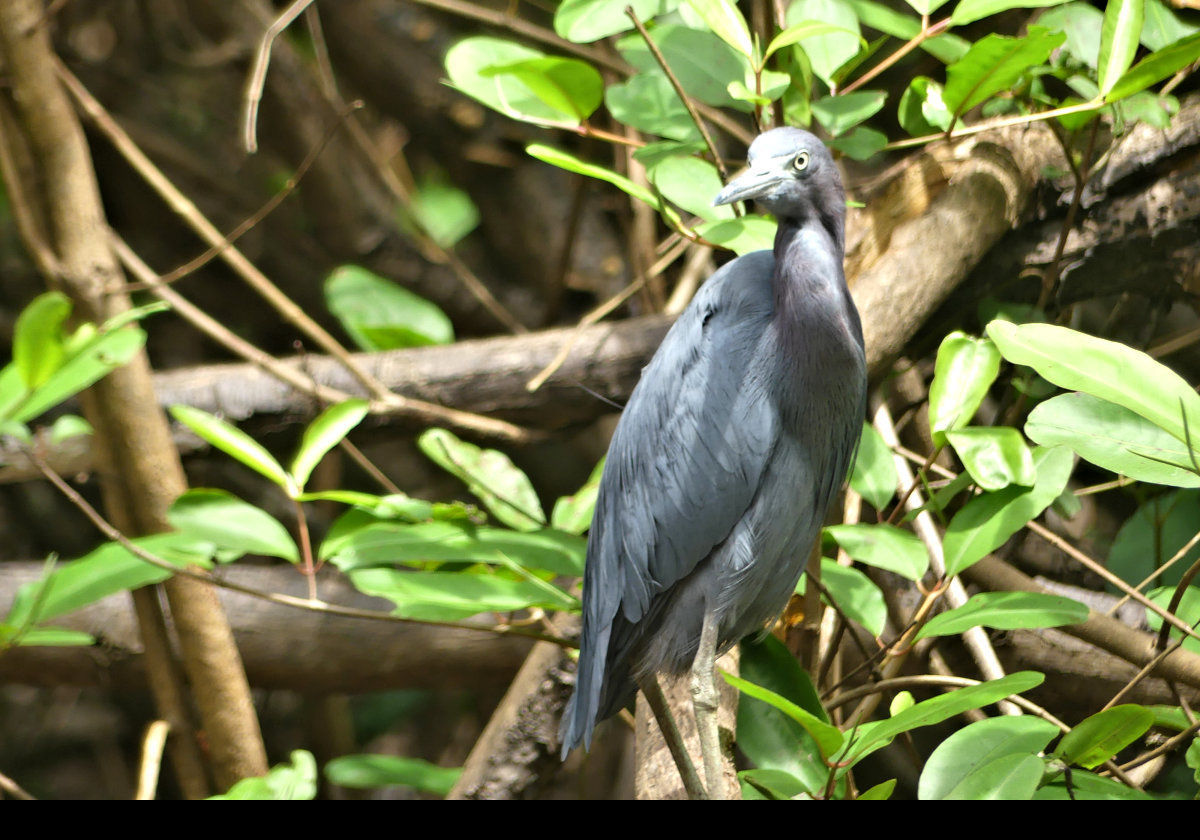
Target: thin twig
{"type": "Point", "coordinates": [921, 37]}
{"type": "Point", "coordinates": [258, 72]}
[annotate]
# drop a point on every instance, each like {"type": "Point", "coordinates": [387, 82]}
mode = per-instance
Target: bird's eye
{"type": "Point", "coordinates": [800, 162]}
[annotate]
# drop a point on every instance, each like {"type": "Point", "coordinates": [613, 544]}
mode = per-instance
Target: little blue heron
{"type": "Point", "coordinates": [728, 454]}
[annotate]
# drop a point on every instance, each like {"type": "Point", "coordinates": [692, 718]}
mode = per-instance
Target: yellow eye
{"type": "Point", "coordinates": [800, 162]}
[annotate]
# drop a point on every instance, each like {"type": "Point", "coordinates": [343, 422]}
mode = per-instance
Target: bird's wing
{"type": "Point", "coordinates": [691, 446]}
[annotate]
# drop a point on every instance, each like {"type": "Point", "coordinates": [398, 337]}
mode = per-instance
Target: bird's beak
{"type": "Point", "coordinates": [752, 183]}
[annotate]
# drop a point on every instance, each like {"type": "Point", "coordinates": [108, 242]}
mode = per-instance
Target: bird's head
{"type": "Point", "coordinates": [791, 174]}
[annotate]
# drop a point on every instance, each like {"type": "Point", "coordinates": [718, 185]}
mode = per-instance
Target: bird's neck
{"type": "Point", "coordinates": [808, 262]}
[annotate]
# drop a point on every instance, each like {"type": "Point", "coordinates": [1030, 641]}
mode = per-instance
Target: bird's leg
{"type": "Point", "coordinates": [706, 701]}
{"type": "Point", "coordinates": [670, 732]}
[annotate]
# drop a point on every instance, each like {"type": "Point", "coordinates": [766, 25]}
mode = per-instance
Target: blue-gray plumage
{"type": "Point", "coordinates": [732, 446]}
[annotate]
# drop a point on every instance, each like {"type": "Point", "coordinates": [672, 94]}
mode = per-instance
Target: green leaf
{"type": "Point", "coordinates": [1188, 610]}
{"type": "Point", "coordinates": [806, 29]}
{"type": "Point", "coordinates": [43, 637]}
{"type": "Point", "coordinates": [105, 571]}
{"type": "Point", "coordinates": [1153, 535]}
{"type": "Point", "coordinates": [969, 11]}
{"type": "Point", "coordinates": [569, 86]}
{"type": "Point", "coordinates": [874, 476]}
{"type": "Point", "coordinates": [884, 547]}
{"type": "Point", "coordinates": [69, 426]}
{"type": "Point", "coordinates": [987, 521]}
{"type": "Point", "coordinates": [995, 456]}
{"type": "Point", "coordinates": [723, 18]}
{"type": "Point", "coordinates": [569, 162]}
{"type": "Point", "coordinates": [691, 183]}
{"type": "Point", "coordinates": [467, 63]}
{"type": "Point", "coordinates": [227, 522]}
{"type": "Point", "coordinates": [1104, 734]}
{"type": "Point", "coordinates": [324, 433]}
{"type": "Point", "coordinates": [861, 143]}
{"type": "Point", "coordinates": [382, 543]}
{"type": "Point", "coordinates": [584, 21]}
{"type": "Point", "coordinates": [450, 596]}
{"type": "Point", "coordinates": [1087, 787]}
{"type": "Point", "coordinates": [1112, 437]}
{"type": "Point", "coordinates": [381, 315]}
{"type": "Point", "coordinates": [235, 443]}
{"type": "Point", "coordinates": [1164, 26]}
{"type": "Point", "coordinates": [701, 61]}
{"type": "Point", "coordinates": [1007, 611]}
{"type": "Point", "coordinates": [1082, 23]}
{"type": "Point", "coordinates": [776, 784]}
{"type": "Point", "coordinates": [295, 781]}
{"type": "Point", "coordinates": [879, 792]}
{"type": "Point", "coordinates": [827, 52]}
{"type": "Point", "coordinates": [768, 737]}
{"type": "Point", "coordinates": [1156, 67]}
{"type": "Point", "coordinates": [1118, 40]}
{"type": "Point", "coordinates": [85, 363]}
{"type": "Point", "coordinates": [1104, 369]}
{"type": "Point", "coordinates": [743, 235]}
{"type": "Point", "coordinates": [648, 103]}
{"type": "Point", "coordinates": [490, 476]}
{"type": "Point", "coordinates": [573, 514]}
{"type": "Point", "coordinates": [877, 734]}
{"type": "Point", "coordinates": [993, 64]}
{"type": "Point", "coordinates": [922, 110]}
{"type": "Point", "coordinates": [37, 338]}
{"type": "Point", "coordinates": [442, 212]}
{"type": "Point", "coordinates": [963, 763]}
{"type": "Point", "coordinates": [383, 771]}
{"type": "Point", "coordinates": [947, 48]}
{"type": "Point", "coordinates": [926, 7]}
{"type": "Point", "coordinates": [838, 114]}
{"type": "Point", "coordinates": [966, 367]}
{"type": "Point", "coordinates": [856, 595]}
{"type": "Point", "coordinates": [828, 738]}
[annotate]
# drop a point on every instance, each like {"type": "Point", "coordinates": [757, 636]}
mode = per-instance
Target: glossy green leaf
{"type": "Point", "coordinates": [324, 433]}
{"type": "Point", "coordinates": [383, 543]}
{"type": "Point", "coordinates": [874, 476]}
{"type": "Point", "coordinates": [969, 11]}
{"type": "Point", "coordinates": [1188, 610]}
{"type": "Point", "coordinates": [1081, 23]}
{"type": "Point", "coordinates": [947, 47]}
{"type": "Point", "coordinates": [966, 367]}
{"type": "Point", "coordinates": [103, 352]}
{"type": "Point", "coordinates": [37, 338]}
{"type": "Point", "coordinates": [1104, 369]}
{"type": "Point", "coordinates": [584, 21]}
{"type": "Point", "coordinates": [884, 547]}
{"type": "Point", "coordinates": [838, 114]}
{"type": "Point", "coordinates": [922, 110]}
{"type": "Point", "coordinates": [829, 51]}
{"type": "Point", "coordinates": [806, 29]}
{"type": "Point", "coordinates": [221, 518]}
{"type": "Point", "coordinates": [987, 521]}
{"type": "Point", "coordinates": [879, 792]}
{"type": "Point", "coordinates": [68, 426]}
{"type": "Point", "coordinates": [1104, 734]}
{"type": "Point", "coordinates": [1007, 611]}
{"type": "Point", "coordinates": [856, 596]}
{"type": "Point", "coordinates": [442, 212]}
{"type": "Point", "coordinates": [774, 784]}
{"type": "Point", "coordinates": [648, 103]}
{"type": "Point", "coordinates": [1088, 787]}
{"type": "Point", "coordinates": [573, 513]}
{"type": "Point", "coordinates": [569, 162]}
{"type": "Point", "coordinates": [381, 315]}
{"type": "Point", "coordinates": [961, 764]}
{"type": "Point", "coordinates": [1112, 437]}
{"type": "Point", "coordinates": [569, 86]}
{"type": "Point", "coordinates": [828, 738]}
{"type": "Point", "coordinates": [467, 63]}
{"type": "Point", "coordinates": [926, 7]}
{"type": "Point", "coordinates": [1118, 40]}
{"type": "Point", "coordinates": [450, 596]}
{"type": "Point", "coordinates": [43, 637]}
{"type": "Point", "coordinates": [1156, 67]}
{"type": "Point", "coordinates": [743, 235]}
{"type": "Point", "coordinates": [861, 143]}
{"type": "Point", "coordinates": [1155, 533]}
{"type": "Point", "coordinates": [770, 86]}
{"type": "Point", "coordinates": [235, 443]}
{"type": "Point", "coordinates": [105, 571]}
{"type": "Point", "coordinates": [1164, 26]}
{"type": "Point", "coordinates": [769, 738]}
{"type": "Point", "coordinates": [490, 475]}
{"type": "Point", "coordinates": [384, 771]}
{"type": "Point", "coordinates": [723, 18]}
{"type": "Point", "coordinates": [295, 781]}
{"type": "Point", "coordinates": [691, 183]}
{"type": "Point", "coordinates": [703, 64]}
{"type": "Point", "coordinates": [995, 63]}
{"type": "Point", "coordinates": [995, 456]}
{"type": "Point", "coordinates": [877, 734]}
